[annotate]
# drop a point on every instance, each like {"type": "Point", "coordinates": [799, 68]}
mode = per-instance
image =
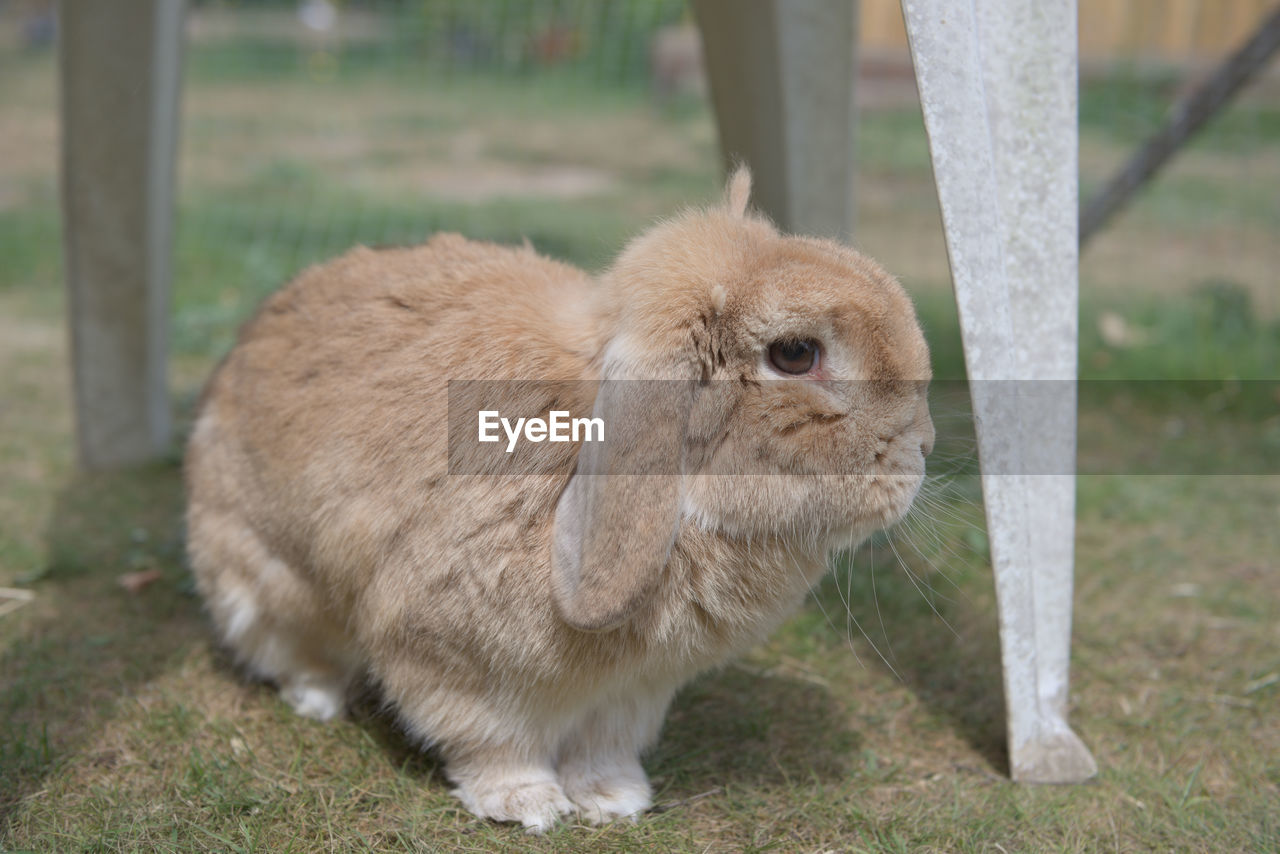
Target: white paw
{"type": "Point", "coordinates": [318, 702]}
{"type": "Point", "coordinates": [536, 804]}
{"type": "Point", "coordinates": [603, 799]}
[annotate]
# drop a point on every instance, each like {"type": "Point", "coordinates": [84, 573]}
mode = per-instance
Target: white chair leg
{"type": "Point", "coordinates": [997, 81]}
{"type": "Point", "coordinates": [120, 73]}
{"type": "Point", "coordinates": [782, 81]}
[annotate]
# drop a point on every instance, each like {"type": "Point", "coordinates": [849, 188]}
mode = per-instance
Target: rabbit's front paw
{"type": "Point", "coordinates": [605, 794]}
{"type": "Point", "coordinates": [535, 802]}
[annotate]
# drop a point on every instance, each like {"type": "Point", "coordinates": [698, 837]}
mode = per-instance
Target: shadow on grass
{"type": "Point", "coordinates": [953, 667]}
{"type": "Point", "coordinates": [370, 713]}
{"type": "Point", "coordinates": [89, 642]}
{"type": "Point", "coordinates": [736, 726]}
{"type": "Point", "coordinates": [727, 726]}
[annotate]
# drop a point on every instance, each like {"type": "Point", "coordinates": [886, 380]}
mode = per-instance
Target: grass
{"type": "Point", "coordinates": [872, 721]}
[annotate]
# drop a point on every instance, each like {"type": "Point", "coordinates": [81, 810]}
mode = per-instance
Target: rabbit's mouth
{"type": "Point", "coordinates": [892, 497]}
{"type": "Point", "coordinates": [815, 509]}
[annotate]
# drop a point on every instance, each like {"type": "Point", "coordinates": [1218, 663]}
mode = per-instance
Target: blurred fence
{"type": "Point", "coordinates": [613, 41]}
{"type": "Point", "coordinates": [606, 42]}
{"type": "Point", "coordinates": [1118, 31]}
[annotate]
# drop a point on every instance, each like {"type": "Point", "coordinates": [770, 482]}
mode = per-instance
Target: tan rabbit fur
{"type": "Point", "coordinates": [533, 628]}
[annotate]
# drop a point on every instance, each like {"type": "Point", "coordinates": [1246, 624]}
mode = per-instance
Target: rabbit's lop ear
{"type": "Point", "coordinates": [617, 519]}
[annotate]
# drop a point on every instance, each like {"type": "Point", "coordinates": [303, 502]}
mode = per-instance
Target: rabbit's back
{"type": "Point", "coordinates": [325, 429]}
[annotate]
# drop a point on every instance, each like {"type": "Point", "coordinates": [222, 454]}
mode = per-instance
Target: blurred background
{"type": "Point", "coordinates": [308, 127]}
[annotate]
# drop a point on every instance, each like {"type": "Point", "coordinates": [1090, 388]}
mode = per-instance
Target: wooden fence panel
{"type": "Point", "coordinates": [1172, 31]}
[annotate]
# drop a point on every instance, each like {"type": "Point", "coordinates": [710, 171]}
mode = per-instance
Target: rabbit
{"type": "Point", "coordinates": [533, 628]}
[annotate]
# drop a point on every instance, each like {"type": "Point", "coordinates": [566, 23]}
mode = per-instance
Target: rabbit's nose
{"type": "Point", "coordinates": [926, 444]}
{"type": "Point", "coordinates": [927, 433]}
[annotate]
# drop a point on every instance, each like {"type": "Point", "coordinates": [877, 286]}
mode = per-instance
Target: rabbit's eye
{"type": "Point", "coordinates": [794, 357]}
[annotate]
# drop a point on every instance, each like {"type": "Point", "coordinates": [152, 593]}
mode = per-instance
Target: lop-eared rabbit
{"type": "Point", "coordinates": [763, 403]}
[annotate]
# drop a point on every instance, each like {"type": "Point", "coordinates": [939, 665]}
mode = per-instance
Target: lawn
{"type": "Point", "coordinates": [873, 720]}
